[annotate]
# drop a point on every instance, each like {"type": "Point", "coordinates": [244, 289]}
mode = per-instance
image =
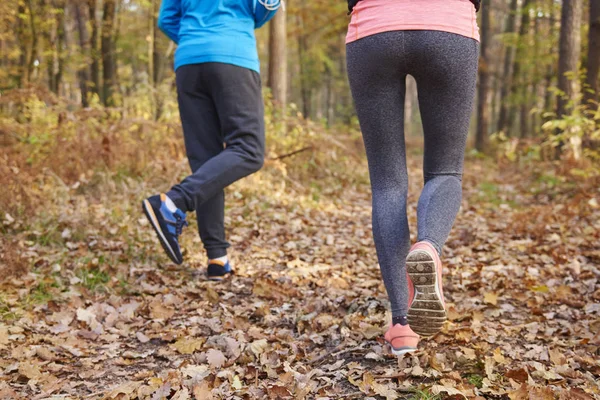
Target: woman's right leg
{"type": "Point", "coordinates": [444, 66]}
{"type": "Point", "coordinates": [378, 83]}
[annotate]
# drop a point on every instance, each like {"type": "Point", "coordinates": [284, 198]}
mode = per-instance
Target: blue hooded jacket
{"type": "Point", "coordinates": [215, 30]}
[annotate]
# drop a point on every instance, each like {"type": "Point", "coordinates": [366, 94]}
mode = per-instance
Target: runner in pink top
{"type": "Point", "coordinates": [437, 43]}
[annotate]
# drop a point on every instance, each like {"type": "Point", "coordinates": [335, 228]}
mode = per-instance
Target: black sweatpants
{"type": "Point", "coordinates": [222, 115]}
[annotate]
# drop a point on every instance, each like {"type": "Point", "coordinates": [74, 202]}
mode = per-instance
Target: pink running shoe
{"type": "Point", "coordinates": [427, 309]}
{"type": "Point", "coordinates": [401, 339]}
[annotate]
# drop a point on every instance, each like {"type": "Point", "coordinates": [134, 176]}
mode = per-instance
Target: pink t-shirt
{"type": "Point", "coordinates": [370, 17]}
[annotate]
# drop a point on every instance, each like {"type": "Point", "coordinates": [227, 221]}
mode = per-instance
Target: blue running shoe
{"type": "Point", "coordinates": [168, 225]}
{"type": "Point", "coordinates": [218, 270]}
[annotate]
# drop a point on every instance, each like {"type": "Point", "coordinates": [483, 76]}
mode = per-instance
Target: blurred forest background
{"type": "Point", "coordinates": [89, 126]}
{"type": "Point", "coordinates": [110, 53]}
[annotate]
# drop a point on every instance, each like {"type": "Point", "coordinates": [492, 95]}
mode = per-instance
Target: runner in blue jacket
{"type": "Point", "coordinates": [222, 114]}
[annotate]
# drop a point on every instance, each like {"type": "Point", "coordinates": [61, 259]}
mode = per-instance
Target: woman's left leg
{"type": "Point", "coordinates": [378, 84]}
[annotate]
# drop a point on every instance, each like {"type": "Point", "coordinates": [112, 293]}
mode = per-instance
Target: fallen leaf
{"type": "Point", "coordinates": [213, 296]}
{"type": "Point", "coordinates": [498, 357]}
{"type": "Point", "coordinates": [469, 353]}
{"type": "Point", "coordinates": [520, 394]}
{"type": "Point", "coordinates": [29, 370]}
{"type": "Point", "coordinates": [142, 338]}
{"type": "Point", "coordinates": [417, 371]}
{"type": "Point", "coordinates": [45, 353]}
{"type": "Point", "coordinates": [237, 383]}
{"type": "Point", "coordinates": [86, 315]}
{"type": "Point", "coordinates": [3, 335]}
{"type": "Point", "coordinates": [160, 311]}
{"type": "Point", "coordinates": [451, 391]}
{"type": "Point", "coordinates": [195, 371]}
{"type": "Point", "coordinates": [557, 357]}
{"type": "Point", "coordinates": [181, 394]}
{"type": "Point", "coordinates": [202, 391]}
{"type": "Point", "coordinates": [490, 298]}
{"type": "Point", "coordinates": [519, 375]}
{"type": "Point", "coordinates": [259, 346]}
{"type": "Point", "coordinates": [188, 345]}
{"type": "Point", "coordinates": [215, 358]}
{"type": "Point", "coordinates": [489, 368]}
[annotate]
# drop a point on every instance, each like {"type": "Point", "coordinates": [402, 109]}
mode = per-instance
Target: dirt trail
{"type": "Point", "coordinates": [102, 315]}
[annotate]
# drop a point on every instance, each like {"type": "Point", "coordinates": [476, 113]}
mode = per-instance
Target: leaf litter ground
{"type": "Point", "coordinates": [99, 313]}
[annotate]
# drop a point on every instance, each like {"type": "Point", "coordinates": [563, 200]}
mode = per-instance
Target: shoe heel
{"type": "Point", "coordinates": [426, 314]}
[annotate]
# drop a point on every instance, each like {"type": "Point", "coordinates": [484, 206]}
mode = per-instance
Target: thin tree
{"type": "Point", "coordinates": [94, 48]}
{"type": "Point", "coordinates": [83, 73]}
{"type": "Point", "coordinates": [483, 105]}
{"type": "Point", "coordinates": [109, 73]}
{"type": "Point", "coordinates": [528, 73]}
{"type": "Point", "coordinates": [593, 56]}
{"type": "Point", "coordinates": [277, 80]}
{"type": "Point", "coordinates": [519, 77]}
{"type": "Point", "coordinates": [569, 52]}
{"type": "Point", "coordinates": [507, 70]}
{"type": "Point", "coordinates": [551, 66]}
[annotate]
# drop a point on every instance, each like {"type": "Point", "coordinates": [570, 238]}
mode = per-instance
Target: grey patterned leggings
{"type": "Point", "coordinates": [444, 66]}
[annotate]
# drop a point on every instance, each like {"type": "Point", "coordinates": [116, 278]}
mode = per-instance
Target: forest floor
{"type": "Point", "coordinates": [90, 308]}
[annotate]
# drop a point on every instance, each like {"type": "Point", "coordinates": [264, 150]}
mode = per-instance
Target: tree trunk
{"type": "Point", "coordinates": [83, 74]}
{"type": "Point", "coordinates": [483, 105]}
{"type": "Point", "coordinates": [23, 43]}
{"type": "Point", "coordinates": [508, 67]}
{"type": "Point", "coordinates": [593, 56]}
{"type": "Point", "coordinates": [50, 38]}
{"type": "Point", "coordinates": [569, 52]}
{"type": "Point", "coordinates": [550, 70]}
{"type": "Point", "coordinates": [60, 45]}
{"type": "Point", "coordinates": [277, 80]}
{"type": "Point", "coordinates": [527, 75]}
{"type": "Point", "coordinates": [94, 49]}
{"type": "Point", "coordinates": [151, 51]}
{"type": "Point", "coordinates": [32, 51]}
{"type": "Point", "coordinates": [305, 92]}
{"type": "Point", "coordinates": [108, 53]}
{"type": "Point", "coordinates": [519, 79]}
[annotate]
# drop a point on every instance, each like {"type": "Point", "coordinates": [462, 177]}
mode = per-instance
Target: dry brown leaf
{"type": "Point", "coordinates": [126, 388]}
{"type": "Point", "coordinates": [417, 371]}
{"type": "Point", "coordinates": [498, 357]}
{"type": "Point", "coordinates": [30, 370]}
{"type": "Point", "coordinates": [463, 335]}
{"type": "Point", "coordinates": [3, 335]}
{"type": "Point", "coordinates": [142, 338]}
{"type": "Point", "coordinates": [469, 353]}
{"type": "Point", "coordinates": [451, 391]}
{"type": "Point", "coordinates": [369, 331]}
{"type": "Point", "coordinates": [45, 353]}
{"type": "Point", "coordinates": [278, 392]}
{"type": "Point", "coordinates": [259, 346]}
{"type": "Point", "coordinates": [520, 375]}
{"type": "Point", "coordinates": [86, 315]}
{"type": "Point", "coordinates": [489, 368]}
{"type": "Point", "coordinates": [557, 357]}
{"type": "Point", "coordinates": [215, 358]}
{"type": "Point", "coordinates": [541, 393]}
{"type": "Point", "coordinates": [181, 394]}
{"type": "Point", "coordinates": [212, 295]}
{"type": "Point", "coordinates": [160, 311]}
{"type": "Point", "coordinates": [521, 394]}
{"type": "Point", "coordinates": [188, 345]}
{"type": "Point", "coordinates": [490, 298]}
{"type": "Point", "coordinates": [202, 391]}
